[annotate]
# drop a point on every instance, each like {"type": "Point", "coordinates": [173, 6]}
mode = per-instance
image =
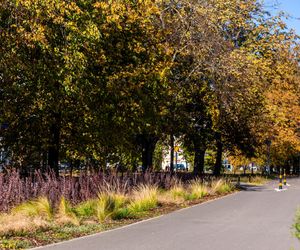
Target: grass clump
{"type": "Point", "coordinates": [197, 190]}
{"type": "Point", "coordinates": [15, 224]}
{"type": "Point", "coordinates": [120, 210]}
{"type": "Point", "coordinates": [221, 187]}
{"type": "Point", "coordinates": [37, 208]}
{"type": "Point", "coordinates": [178, 192]}
{"type": "Point", "coordinates": [27, 217]}
{"type": "Point", "coordinates": [66, 214]}
{"type": "Point", "coordinates": [86, 209]}
{"type": "Point", "coordinates": [110, 206]}
{"type": "Point", "coordinates": [145, 199]}
{"type": "Point", "coordinates": [175, 195]}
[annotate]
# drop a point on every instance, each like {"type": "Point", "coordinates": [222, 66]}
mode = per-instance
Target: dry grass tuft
{"type": "Point", "coordinates": [16, 223]}
{"type": "Point", "coordinates": [65, 213]}
{"type": "Point", "coordinates": [197, 190]}
{"type": "Point", "coordinates": [221, 187]}
{"type": "Point", "coordinates": [176, 195]}
{"type": "Point", "coordinates": [37, 208]}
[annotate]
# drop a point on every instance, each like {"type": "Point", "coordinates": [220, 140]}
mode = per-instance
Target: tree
{"type": "Point", "coordinates": [42, 71]}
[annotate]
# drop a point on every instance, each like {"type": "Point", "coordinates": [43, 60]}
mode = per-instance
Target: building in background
{"type": "Point", "coordinates": [182, 163]}
{"type": "Point", "coordinates": [227, 166]}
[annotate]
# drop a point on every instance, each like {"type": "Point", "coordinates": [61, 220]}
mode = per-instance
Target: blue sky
{"type": "Point", "coordinates": [290, 6]}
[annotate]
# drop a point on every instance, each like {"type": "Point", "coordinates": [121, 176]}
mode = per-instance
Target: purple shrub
{"type": "Point", "coordinates": [14, 189]}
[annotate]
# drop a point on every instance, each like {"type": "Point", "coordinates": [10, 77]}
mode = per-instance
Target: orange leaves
{"type": "Point", "coordinates": [283, 106]}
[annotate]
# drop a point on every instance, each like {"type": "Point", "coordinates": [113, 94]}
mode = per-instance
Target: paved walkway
{"type": "Point", "coordinates": [256, 219]}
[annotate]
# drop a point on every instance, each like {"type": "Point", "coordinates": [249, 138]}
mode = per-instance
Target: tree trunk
{"type": "Point", "coordinates": [71, 169]}
{"type": "Point", "coordinates": [53, 150]}
{"type": "Point", "coordinates": [294, 166]}
{"type": "Point", "coordinates": [288, 169]}
{"type": "Point", "coordinates": [296, 162]}
{"type": "Point", "coordinates": [218, 163]}
{"type": "Point", "coordinates": [172, 145]}
{"type": "Point", "coordinates": [148, 146]}
{"type": "Point", "coordinates": [199, 151]}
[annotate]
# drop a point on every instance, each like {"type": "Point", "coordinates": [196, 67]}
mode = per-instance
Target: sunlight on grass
{"type": "Point", "coordinates": [34, 216]}
{"type": "Point", "coordinates": [15, 223]}
{"type": "Point", "coordinates": [65, 213]}
{"type": "Point", "coordinates": [175, 195]}
{"type": "Point", "coordinates": [39, 207]}
{"type": "Point", "coordinates": [86, 209]}
{"type": "Point", "coordinates": [221, 187]}
{"type": "Point", "coordinates": [144, 198]}
{"type": "Point", "coordinates": [197, 190]}
{"type": "Point", "coordinates": [110, 205]}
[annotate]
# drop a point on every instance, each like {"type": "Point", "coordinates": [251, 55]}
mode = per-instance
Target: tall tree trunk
{"type": "Point", "coordinates": [218, 163]}
{"type": "Point", "coordinates": [199, 151]}
{"type": "Point", "coordinates": [288, 168]}
{"type": "Point", "coordinates": [53, 150]}
{"type": "Point", "coordinates": [296, 164]}
{"type": "Point", "coordinates": [148, 145]}
{"type": "Point", "coordinates": [172, 145]}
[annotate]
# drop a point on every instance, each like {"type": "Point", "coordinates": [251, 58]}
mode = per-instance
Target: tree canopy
{"type": "Point", "coordinates": [104, 81]}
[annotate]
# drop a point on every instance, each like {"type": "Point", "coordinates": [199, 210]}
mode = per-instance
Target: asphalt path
{"type": "Point", "coordinates": [258, 218]}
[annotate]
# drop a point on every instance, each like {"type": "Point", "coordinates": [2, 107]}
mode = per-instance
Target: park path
{"type": "Point", "coordinates": [258, 218]}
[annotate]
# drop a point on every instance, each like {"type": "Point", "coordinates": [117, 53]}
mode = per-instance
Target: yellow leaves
{"type": "Point", "coordinates": [36, 34]}
{"type": "Point", "coordinates": [101, 5]}
{"type": "Point", "coordinates": [284, 113]}
{"type": "Point", "coordinates": [122, 12]}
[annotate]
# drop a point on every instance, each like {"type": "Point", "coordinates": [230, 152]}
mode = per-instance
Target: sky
{"type": "Point", "coordinates": [292, 7]}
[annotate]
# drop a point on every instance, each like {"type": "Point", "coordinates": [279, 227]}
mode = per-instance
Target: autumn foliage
{"type": "Point", "coordinates": [102, 82]}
